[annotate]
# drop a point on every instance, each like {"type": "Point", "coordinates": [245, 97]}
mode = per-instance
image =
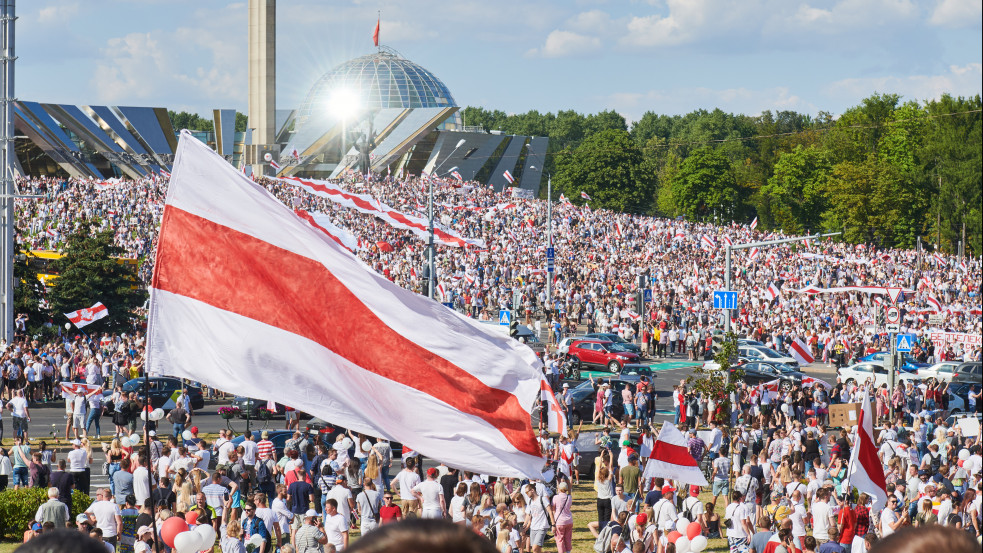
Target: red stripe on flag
{"type": "Point", "coordinates": [802, 352]}
{"type": "Point", "coordinates": [295, 293]}
{"type": "Point", "coordinates": [867, 455]}
{"type": "Point", "coordinates": [307, 217]}
{"type": "Point", "coordinates": [674, 454]}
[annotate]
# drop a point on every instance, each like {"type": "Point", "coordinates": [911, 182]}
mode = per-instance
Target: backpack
{"type": "Point", "coordinates": [263, 474]}
{"type": "Point", "coordinates": [935, 462]}
{"type": "Point", "coordinates": [603, 542]}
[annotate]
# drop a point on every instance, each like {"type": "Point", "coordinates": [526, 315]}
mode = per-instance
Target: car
{"type": "Point", "coordinates": [250, 405]}
{"type": "Point", "coordinates": [164, 390]}
{"type": "Point", "coordinates": [760, 372]}
{"type": "Point", "coordinates": [563, 346]}
{"type": "Point", "coordinates": [600, 353]}
{"type": "Point", "coordinates": [953, 420]}
{"type": "Point", "coordinates": [612, 337]}
{"type": "Point", "coordinates": [970, 373]}
{"type": "Point", "coordinates": [636, 372]}
{"type": "Point", "coordinates": [960, 391]}
{"type": "Point", "coordinates": [749, 342]}
{"type": "Point", "coordinates": [330, 431]}
{"type": "Point", "coordinates": [859, 373]}
{"type": "Point", "coordinates": [761, 353]}
{"type": "Point", "coordinates": [909, 365]}
{"type": "Point", "coordinates": [939, 371]}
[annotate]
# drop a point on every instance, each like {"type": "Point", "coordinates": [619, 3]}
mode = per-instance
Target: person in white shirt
{"type": "Point", "coordinates": [104, 513]}
{"type": "Point", "coordinates": [335, 525]}
{"type": "Point", "coordinates": [798, 517]}
{"type": "Point", "coordinates": [822, 515]}
{"type": "Point", "coordinates": [890, 521]}
{"type": "Point", "coordinates": [431, 495]}
{"type": "Point", "coordinates": [740, 528]}
{"type": "Point", "coordinates": [406, 480]}
{"type": "Point", "coordinates": [141, 480]}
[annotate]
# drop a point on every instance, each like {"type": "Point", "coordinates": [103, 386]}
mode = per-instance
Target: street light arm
{"type": "Point", "coordinates": [781, 241]}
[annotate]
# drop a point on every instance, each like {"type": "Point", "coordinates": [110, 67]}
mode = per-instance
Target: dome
{"type": "Point", "coordinates": [379, 80]}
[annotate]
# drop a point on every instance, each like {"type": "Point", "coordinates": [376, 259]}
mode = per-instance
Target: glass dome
{"type": "Point", "coordinates": [379, 80]}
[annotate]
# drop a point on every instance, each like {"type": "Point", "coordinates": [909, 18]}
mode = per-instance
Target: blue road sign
{"type": "Point", "coordinates": [504, 317]}
{"type": "Point", "coordinates": [647, 295]}
{"type": "Point", "coordinates": [724, 299]}
{"type": "Point", "coordinates": [905, 342]}
{"type": "Point", "coordinates": [448, 304]}
{"type": "Point", "coordinates": [550, 253]}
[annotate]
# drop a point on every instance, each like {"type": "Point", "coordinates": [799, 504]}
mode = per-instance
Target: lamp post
{"type": "Point", "coordinates": [430, 248]}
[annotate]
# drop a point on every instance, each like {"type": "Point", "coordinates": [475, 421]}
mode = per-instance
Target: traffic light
{"type": "Point", "coordinates": [514, 325]}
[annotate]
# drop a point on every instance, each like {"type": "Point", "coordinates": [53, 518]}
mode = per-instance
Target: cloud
{"type": "Point", "coordinates": [957, 13]}
{"type": "Point", "coordinates": [57, 13]}
{"type": "Point", "coordinates": [567, 43]}
{"type": "Point", "coordinates": [959, 81]}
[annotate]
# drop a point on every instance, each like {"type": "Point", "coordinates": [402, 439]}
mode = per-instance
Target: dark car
{"type": "Point", "coordinates": [164, 390]}
{"type": "Point", "coordinates": [600, 353]}
{"type": "Point", "coordinates": [612, 337]}
{"type": "Point", "coordinates": [278, 437]}
{"type": "Point", "coordinates": [909, 365]}
{"type": "Point", "coordinates": [970, 373]}
{"type": "Point", "coordinates": [329, 433]}
{"type": "Point", "coordinates": [759, 372]}
{"type": "Point", "coordinates": [252, 406]}
{"type": "Point", "coordinates": [584, 395]}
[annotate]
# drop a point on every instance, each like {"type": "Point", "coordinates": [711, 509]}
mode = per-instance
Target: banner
{"type": "Point", "coordinates": [517, 192]}
{"type": "Point", "coordinates": [944, 339]}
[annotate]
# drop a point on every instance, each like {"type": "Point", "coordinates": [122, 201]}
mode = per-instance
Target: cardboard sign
{"type": "Point", "coordinates": [969, 425]}
{"type": "Point", "coordinates": [844, 414]}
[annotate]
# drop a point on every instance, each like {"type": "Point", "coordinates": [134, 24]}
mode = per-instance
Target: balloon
{"type": "Point", "coordinates": [187, 435]}
{"type": "Point", "coordinates": [144, 414]}
{"type": "Point", "coordinates": [693, 529]}
{"type": "Point", "coordinates": [208, 535]}
{"type": "Point", "coordinates": [963, 454]}
{"type": "Point", "coordinates": [785, 408]}
{"type": "Point", "coordinates": [191, 517]}
{"type": "Point", "coordinates": [134, 439]}
{"type": "Point", "coordinates": [188, 542]}
{"type": "Point", "coordinates": [681, 524]}
{"type": "Point", "coordinates": [810, 412]}
{"type": "Point", "coordinates": [157, 414]}
{"type": "Point", "coordinates": [960, 463]}
{"type": "Point", "coordinates": [172, 527]}
{"type": "Point", "coordinates": [255, 540]}
{"type": "Point", "coordinates": [682, 545]}
{"type": "Point", "coordinates": [698, 544]}
{"type": "Point", "coordinates": [673, 536]}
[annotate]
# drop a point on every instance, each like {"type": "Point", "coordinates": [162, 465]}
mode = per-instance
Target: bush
{"type": "Point", "coordinates": [18, 507]}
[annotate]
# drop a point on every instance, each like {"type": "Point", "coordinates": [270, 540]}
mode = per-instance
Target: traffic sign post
{"type": "Point", "coordinates": [892, 316]}
{"type": "Point", "coordinates": [504, 317]}
{"type": "Point", "coordinates": [647, 295]}
{"type": "Point", "coordinates": [724, 299]}
{"type": "Point", "coordinates": [550, 259]}
{"type": "Point", "coordinates": [904, 343]}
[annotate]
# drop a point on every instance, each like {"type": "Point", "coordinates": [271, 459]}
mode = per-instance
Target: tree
{"type": "Point", "coordinates": [29, 294]}
{"type": "Point", "coordinates": [705, 185]}
{"type": "Point", "coordinates": [721, 382]}
{"type": "Point", "coordinates": [191, 121]}
{"type": "Point", "coordinates": [89, 273]}
{"type": "Point", "coordinates": [859, 201]}
{"type": "Point", "coordinates": [610, 169]}
{"type": "Point", "coordinates": [796, 189]}
{"type": "Point", "coordinates": [242, 122]}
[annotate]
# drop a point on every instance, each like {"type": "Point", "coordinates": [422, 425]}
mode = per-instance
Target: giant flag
{"type": "Point", "coordinates": [249, 298]}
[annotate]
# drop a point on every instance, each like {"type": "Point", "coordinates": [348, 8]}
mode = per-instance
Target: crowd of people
{"type": "Point", "coordinates": [770, 454]}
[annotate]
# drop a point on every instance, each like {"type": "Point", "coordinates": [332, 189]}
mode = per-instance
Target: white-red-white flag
{"type": "Point", "coordinates": [457, 175]}
{"type": "Point", "coordinates": [755, 252]}
{"type": "Point", "coordinates": [800, 351]}
{"type": "Point", "coordinates": [726, 239]}
{"type": "Point", "coordinates": [585, 196]}
{"type": "Point", "coordinates": [925, 282]}
{"type": "Point", "coordinates": [865, 472]}
{"type": "Point", "coordinates": [295, 153]}
{"type": "Point", "coordinates": [938, 259]}
{"type": "Point", "coordinates": [83, 317]}
{"type": "Point", "coordinates": [556, 419]}
{"type": "Point", "coordinates": [563, 199]}
{"type": "Point", "coordinates": [79, 388]}
{"type": "Point", "coordinates": [670, 458]}
{"type": "Point", "coordinates": [248, 297]}
{"type": "Point", "coordinates": [708, 242]}
{"type": "Point", "coordinates": [754, 223]}
{"type": "Point", "coordinates": [275, 165]}
{"type": "Point", "coordinates": [772, 292]}
{"type": "Point", "coordinates": [935, 302]}
{"type": "Point", "coordinates": [323, 223]}
{"type": "Point", "coordinates": [508, 176]}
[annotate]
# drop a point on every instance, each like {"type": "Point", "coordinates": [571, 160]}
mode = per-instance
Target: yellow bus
{"type": "Point", "coordinates": [43, 262]}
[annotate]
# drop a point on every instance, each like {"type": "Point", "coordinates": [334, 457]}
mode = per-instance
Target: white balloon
{"type": "Point", "coordinates": [698, 544]}
{"type": "Point", "coordinates": [188, 542]}
{"type": "Point", "coordinates": [785, 408]}
{"type": "Point", "coordinates": [187, 435]}
{"type": "Point", "coordinates": [207, 535]}
{"type": "Point", "coordinates": [143, 414]}
{"type": "Point", "coordinates": [681, 524]}
{"type": "Point", "coordinates": [256, 540]}
{"type": "Point", "coordinates": [682, 545]}
{"type": "Point", "coordinates": [134, 439]}
{"type": "Point", "coordinates": [963, 454]}
{"type": "Point", "coordinates": [157, 414]}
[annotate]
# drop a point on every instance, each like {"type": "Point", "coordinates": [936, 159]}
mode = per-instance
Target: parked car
{"type": "Point", "coordinates": [563, 347]}
{"type": "Point", "coordinates": [960, 391]}
{"type": "Point", "coordinates": [759, 372]}
{"type": "Point", "coordinates": [761, 353]}
{"type": "Point", "coordinates": [909, 365]}
{"type": "Point", "coordinates": [584, 394]}
{"type": "Point", "coordinates": [860, 372]}
{"type": "Point", "coordinates": [939, 371]}
{"type": "Point", "coordinates": [329, 433]}
{"type": "Point", "coordinates": [164, 390]}
{"type": "Point", "coordinates": [612, 337]}
{"type": "Point", "coordinates": [251, 405]}
{"type": "Point", "coordinates": [601, 353]}
{"type": "Point", "coordinates": [968, 372]}
{"type": "Point", "coordinates": [749, 342]}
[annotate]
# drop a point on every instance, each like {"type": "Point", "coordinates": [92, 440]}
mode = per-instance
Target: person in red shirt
{"type": "Point", "coordinates": [389, 512]}
{"type": "Point", "coordinates": [847, 522]}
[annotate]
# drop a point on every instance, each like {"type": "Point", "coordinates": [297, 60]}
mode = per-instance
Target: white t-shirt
{"type": "Point", "coordinates": [431, 492]}
{"type": "Point", "coordinates": [407, 480]}
{"type": "Point", "coordinates": [223, 452]}
{"type": "Point", "coordinates": [162, 465]}
{"type": "Point", "coordinates": [457, 508]}
{"type": "Point", "coordinates": [820, 520]}
{"type": "Point", "coordinates": [342, 494]}
{"type": "Point", "coordinates": [269, 518]}
{"type": "Point", "coordinates": [141, 485]}
{"type": "Point", "coordinates": [105, 513]}
{"type": "Point", "coordinates": [77, 459]}
{"type": "Point", "coordinates": [334, 527]}
{"type": "Point", "coordinates": [248, 453]}
{"type": "Point", "coordinates": [540, 518]}
{"type": "Point", "coordinates": [19, 407]}
{"type": "Point", "coordinates": [799, 520]}
{"type": "Point", "coordinates": [737, 512]}
{"type": "Point", "coordinates": [206, 456]}
{"type": "Point", "coordinates": [888, 517]}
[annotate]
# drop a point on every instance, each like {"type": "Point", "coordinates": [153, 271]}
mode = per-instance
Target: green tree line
{"type": "Point", "coordinates": [885, 172]}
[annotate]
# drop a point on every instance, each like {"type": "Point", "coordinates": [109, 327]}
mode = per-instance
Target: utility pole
{"type": "Point", "coordinates": [8, 189]}
{"type": "Point", "coordinates": [549, 240]}
{"type": "Point", "coordinates": [430, 267]}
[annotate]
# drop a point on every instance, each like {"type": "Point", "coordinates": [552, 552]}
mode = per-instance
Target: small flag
{"type": "Point", "coordinates": [556, 419]}
{"type": "Point", "coordinates": [585, 196]}
{"type": "Point", "coordinates": [671, 459]}
{"type": "Point", "coordinates": [375, 33]}
{"type": "Point", "coordinates": [935, 302]}
{"type": "Point", "coordinates": [754, 253]}
{"type": "Point", "coordinates": [563, 199]}
{"type": "Point", "coordinates": [772, 291]}
{"type": "Point", "coordinates": [800, 352]}
{"type": "Point", "coordinates": [83, 317]}
{"type": "Point", "coordinates": [295, 153]}
{"type": "Point", "coordinates": [708, 242]}
{"type": "Point", "coordinates": [939, 259]}
{"type": "Point", "coordinates": [728, 240]}
{"type": "Point", "coordinates": [508, 176]}
{"type": "Point", "coordinates": [925, 282]}
{"type": "Point", "coordinates": [165, 173]}
{"type": "Point", "coordinates": [274, 165]}
{"type": "Point", "coordinates": [457, 176]}
{"type": "Point", "coordinates": [754, 223]}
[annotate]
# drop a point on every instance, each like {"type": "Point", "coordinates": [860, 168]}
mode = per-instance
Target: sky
{"type": "Point", "coordinates": [664, 56]}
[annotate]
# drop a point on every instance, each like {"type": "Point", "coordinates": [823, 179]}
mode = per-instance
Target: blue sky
{"type": "Point", "coordinates": [666, 56]}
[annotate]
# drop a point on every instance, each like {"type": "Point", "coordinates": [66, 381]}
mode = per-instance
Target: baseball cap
{"type": "Point", "coordinates": [76, 442]}
{"type": "Point", "coordinates": [310, 513]}
{"type": "Point", "coordinates": [194, 429]}
{"type": "Point", "coordinates": [666, 490]}
{"type": "Point", "coordinates": [431, 471]}
{"type": "Point", "coordinates": [144, 530]}
{"type": "Point", "coordinates": [694, 491]}
{"type": "Point", "coordinates": [642, 519]}
{"type": "Point", "coordinates": [626, 442]}
{"type": "Point", "coordinates": [341, 478]}
{"type": "Point", "coordinates": [81, 518]}
{"type": "Point", "coordinates": [36, 527]}
{"type": "Point", "coordinates": [152, 433]}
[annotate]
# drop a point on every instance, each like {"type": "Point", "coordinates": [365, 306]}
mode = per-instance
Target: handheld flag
{"type": "Point", "coordinates": [865, 470]}
{"type": "Point", "coordinates": [670, 458]}
{"type": "Point", "coordinates": [585, 196]}
{"type": "Point", "coordinates": [83, 317]}
{"type": "Point", "coordinates": [509, 177]}
{"type": "Point", "coordinates": [800, 351]}
{"type": "Point", "coordinates": [754, 223]}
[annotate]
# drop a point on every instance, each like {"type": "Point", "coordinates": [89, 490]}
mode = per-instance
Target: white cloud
{"type": "Point", "coordinates": [58, 13]}
{"type": "Point", "coordinates": [957, 13]}
{"type": "Point", "coordinates": [959, 81]}
{"type": "Point", "coordinates": [567, 43]}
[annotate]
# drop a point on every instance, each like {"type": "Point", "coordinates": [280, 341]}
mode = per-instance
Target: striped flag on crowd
{"type": "Point", "coordinates": [241, 280]}
{"type": "Point", "coordinates": [938, 259]}
{"type": "Point", "coordinates": [727, 240]}
{"type": "Point", "coordinates": [935, 302]}
{"type": "Point", "coordinates": [671, 459]}
{"type": "Point", "coordinates": [555, 418]}
{"type": "Point", "coordinates": [585, 196]}
{"type": "Point", "coordinates": [754, 223]}
{"type": "Point", "coordinates": [89, 315]}
{"type": "Point", "coordinates": [865, 472]}
{"type": "Point", "coordinates": [925, 282]}
{"type": "Point", "coordinates": [457, 175]}
{"type": "Point", "coordinates": [508, 176]}
{"type": "Point", "coordinates": [800, 351]}
{"type": "Point", "coordinates": [708, 242]}
{"type": "Point", "coordinates": [754, 253]}
{"type": "Point", "coordinates": [274, 165]}
{"type": "Point", "coordinates": [772, 291]}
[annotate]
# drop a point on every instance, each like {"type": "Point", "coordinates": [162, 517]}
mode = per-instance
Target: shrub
{"type": "Point", "coordinates": [18, 507]}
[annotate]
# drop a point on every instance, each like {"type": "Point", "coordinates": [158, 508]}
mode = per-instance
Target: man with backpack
{"type": "Point", "coordinates": [265, 472]}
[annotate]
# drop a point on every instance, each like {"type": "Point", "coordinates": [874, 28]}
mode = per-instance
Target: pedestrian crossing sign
{"type": "Point", "coordinates": [504, 317]}
{"type": "Point", "coordinates": [904, 343]}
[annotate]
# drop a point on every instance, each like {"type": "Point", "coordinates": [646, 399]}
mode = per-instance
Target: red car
{"type": "Point", "coordinates": [601, 353]}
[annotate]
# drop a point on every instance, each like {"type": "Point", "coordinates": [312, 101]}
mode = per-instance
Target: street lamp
{"type": "Point", "coordinates": [430, 251]}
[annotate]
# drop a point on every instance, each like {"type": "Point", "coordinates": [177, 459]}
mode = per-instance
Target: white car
{"type": "Point", "coordinates": [867, 370]}
{"type": "Point", "coordinates": [564, 346]}
{"type": "Point", "coordinates": [939, 371]}
{"type": "Point", "coordinates": [761, 353]}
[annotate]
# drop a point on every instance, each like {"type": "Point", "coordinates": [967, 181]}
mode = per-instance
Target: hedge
{"type": "Point", "coordinates": [18, 507]}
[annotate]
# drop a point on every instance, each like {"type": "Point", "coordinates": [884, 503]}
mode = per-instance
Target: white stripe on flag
{"type": "Point", "coordinates": [800, 351]}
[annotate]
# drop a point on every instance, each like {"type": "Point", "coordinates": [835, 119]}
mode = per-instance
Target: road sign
{"type": "Point", "coordinates": [936, 319]}
{"type": "Point", "coordinates": [504, 316]}
{"type": "Point", "coordinates": [647, 295]}
{"type": "Point", "coordinates": [724, 299]}
{"type": "Point", "coordinates": [893, 315]}
{"type": "Point", "coordinates": [550, 253]}
{"type": "Point", "coordinates": [893, 293]}
{"type": "Point", "coordinates": [550, 259]}
{"type": "Point", "coordinates": [905, 342]}
{"type": "Point", "coordinates": [893, 327]}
